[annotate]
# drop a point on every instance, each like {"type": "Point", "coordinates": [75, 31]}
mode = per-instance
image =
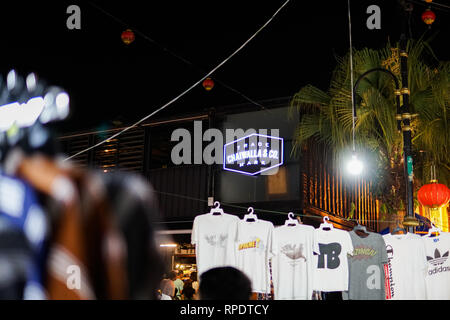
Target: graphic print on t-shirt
{"type": "Point", "coordinates": [215, 240]}
{"type": "Point", "coordinates": [293, 252]}
{"type": "Point", "coordinates": [329, 255]}
{"type": "Point", "coordinates": [362, 252]}
{"type": "Point", "coordinates": [389, 281]}
{"type": "Point", "coordinates": [437, 261]}
{"type": "Point", "coordinates": [254, 243]}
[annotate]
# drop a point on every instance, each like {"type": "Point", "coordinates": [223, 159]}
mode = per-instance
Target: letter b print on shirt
{"type": "Point", "coordinates": [329, 255]}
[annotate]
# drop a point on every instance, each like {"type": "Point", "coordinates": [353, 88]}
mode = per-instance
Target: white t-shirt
{"type": "Point", "coordinates": [214, 237]}
{"type": "Point", "coordinates": [437, 280]}
{"type": "Point", "coordinates": [165, 297]}
{"type": "Point", "coordinates": [293, 262]}
{"type": "Point", "coordinates": [331, 264]}
{"type": "Point", "coordinates": [406, 268]}
{"type": "Point", "coordinates": [253, 250]}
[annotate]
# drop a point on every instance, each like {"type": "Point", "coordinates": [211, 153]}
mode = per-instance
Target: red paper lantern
{"type": "Point", "coordinates": [127, 36]}
{"type": "Point", "coordinates": [434, 194]}
{"type": "Point", "coordinates": [208, 84]}
{"type": "Point", "coordinates": [428, 17]}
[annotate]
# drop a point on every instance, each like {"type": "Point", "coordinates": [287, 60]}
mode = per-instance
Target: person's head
{"type": "Point", "coordinates": [180, 274]}
{"type": "Point", "coordinates": [224, 283]}
{"type": "Point", "coordinates": [188, 284]}
{"type": "Point", "coordinates": [193, 276]}
{"type": "Point", "coordinates": [172, 275]}
{"type": "Point", "coordinates": [166, 287]}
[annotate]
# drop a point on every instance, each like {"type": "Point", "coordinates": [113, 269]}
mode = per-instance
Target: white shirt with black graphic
{"type": "Point", "coordinates": [331, 264]}
{"type": "Point", "coordinates": [437, 279]}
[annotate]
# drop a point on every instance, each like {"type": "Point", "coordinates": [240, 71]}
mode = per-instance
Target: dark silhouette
{"type": "Point", "coordinates": [224, 283]}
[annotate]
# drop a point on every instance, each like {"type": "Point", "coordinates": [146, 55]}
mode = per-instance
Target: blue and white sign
{"type": "Point", "coordinates": [253, 154]}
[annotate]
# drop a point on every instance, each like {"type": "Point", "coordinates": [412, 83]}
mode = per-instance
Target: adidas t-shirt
{"type": "Point", "coordinates": [253, 250]}
{"type": "Point", "coordinates": [406, 268]}
{"type": "Point", "coordinates": [293, 262]}
{"type": "Point", "coordinates": [331, 264]}
{"type": "Point", "coordinates": [437, 279]}
{"type": "Point", "coordinates": [214, 237]}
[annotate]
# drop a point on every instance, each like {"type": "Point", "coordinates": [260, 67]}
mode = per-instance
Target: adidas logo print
{"type": "Point", "coordinates": [438, 259]}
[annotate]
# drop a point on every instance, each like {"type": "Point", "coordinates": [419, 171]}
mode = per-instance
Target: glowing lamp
{"type": "Point", "coordinates": [355, 166]}
{"type": "Point", "coordinates": [428, 17]}
{"type": "Point", "coordinates": [127, 36]}
{"type": "Point", "coordinates": [433, 194]}
{"type": "Point", "coordinates": [208, 84]}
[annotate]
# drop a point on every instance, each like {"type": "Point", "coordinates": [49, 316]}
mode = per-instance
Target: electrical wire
{"type": "Point", "coordinates": [351, 75]}
{"type": "Point", "coordinates": [262, 210]}
{"type": "Point", "coordinates": [187, 90]}
{"type": "Point", "coordinates": [437, 6]}
{"type": "Point", "coordinates": [172, 53]}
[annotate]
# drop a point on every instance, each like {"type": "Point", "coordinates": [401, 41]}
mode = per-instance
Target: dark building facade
{"type": "Point", "coordinates": [307, 184]}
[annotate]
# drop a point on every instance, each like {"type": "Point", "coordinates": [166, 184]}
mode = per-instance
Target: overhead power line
{"type": "Point", "coordinates": [172, 53]}
{"type": "Point", "coordinates": [188, 89]}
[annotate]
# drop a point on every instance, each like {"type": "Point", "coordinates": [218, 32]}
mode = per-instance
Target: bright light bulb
{"type": "Point", "coordinates": [355, 166]}
{"type": "Point", "coordinates": [11, 80]}
{"type": "Point", "coordinates": [31, 82]}
{"type": "Point", "coordinates": [62, 104]}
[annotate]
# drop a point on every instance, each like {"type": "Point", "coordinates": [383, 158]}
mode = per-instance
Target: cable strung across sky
{"type": "Point", "coordinates": [177, 56]}
{"type": "Point", "coordinates": [187, 90]}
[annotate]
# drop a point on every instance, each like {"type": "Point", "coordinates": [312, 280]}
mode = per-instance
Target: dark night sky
{"type": "Point", "coordinates": [107, 79]}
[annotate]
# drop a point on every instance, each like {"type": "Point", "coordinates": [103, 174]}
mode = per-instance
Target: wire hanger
{"type": "Point", "coordinates": [216, 210]}
{"type": "Point", "coordinates": [433, 229]}
{"type": "Point", "coordinates": [398, 228]}
{"type": "Point", "coordinates": [291, 221]}
{"type": "Point", "coordinates": [251, 217]}
{"type": "Point", "coordinates": [326, 225]}
{"type": "Point", "coordinates": [360, 230]}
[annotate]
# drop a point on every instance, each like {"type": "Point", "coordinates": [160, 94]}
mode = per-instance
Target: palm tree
{"type": "Point", "coordinates": [326, 117]}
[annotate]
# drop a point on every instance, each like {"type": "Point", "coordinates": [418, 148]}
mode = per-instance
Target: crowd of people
{"type": "Point", "coordinates": [222, 283]}
{"type": "Point", "coordinates": [175, 286]}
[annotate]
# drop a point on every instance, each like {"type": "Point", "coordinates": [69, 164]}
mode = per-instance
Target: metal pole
{"type": "Point", "coordinates": [406, 118]}
{"type": "Point", "coordinates": [402, 114]}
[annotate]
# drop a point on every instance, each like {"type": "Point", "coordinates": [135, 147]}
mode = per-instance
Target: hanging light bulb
{"type": "Point", "coordinates": [355, 166]}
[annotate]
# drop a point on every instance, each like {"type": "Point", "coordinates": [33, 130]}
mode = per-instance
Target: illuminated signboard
{"type": "Point", "coordinates": [253, 154]}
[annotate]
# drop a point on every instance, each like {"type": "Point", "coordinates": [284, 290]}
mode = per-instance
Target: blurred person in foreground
{"type": "Point", "coordinates": [224, 283]}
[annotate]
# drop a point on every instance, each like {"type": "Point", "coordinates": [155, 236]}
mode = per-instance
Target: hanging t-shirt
{"type": "Point", "coordinates": [331, 264]}
{"type": "Point", "coordinates": [293, 262]}
{"type": "Point", "coordinates": [406, 268]}
{"type": "Point", "coordinates": [437, 280]}
{"type": "Point", "coordinates": [366, 267]}
{"type": "Point", "coordinates": [253, 250]}
{"type": "Point", "coordinates": [214, 237]}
